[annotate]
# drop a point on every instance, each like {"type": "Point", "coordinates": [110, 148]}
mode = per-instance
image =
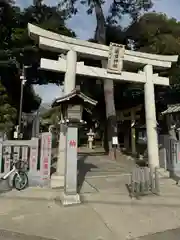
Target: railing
{"type": "Point", "coordinates": [35, 152]}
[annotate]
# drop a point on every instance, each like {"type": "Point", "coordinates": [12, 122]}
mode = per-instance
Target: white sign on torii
{"type": "Point", "coordinates": [58, 43]}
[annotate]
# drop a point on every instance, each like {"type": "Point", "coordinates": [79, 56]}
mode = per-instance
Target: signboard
{"type": "Point", "coordinates": [115, 58]}
{"type": "Point", "coordinates": [7, 158]}
{"type": "Point", "coordinates": [115, 140]}
{"type": "Point", "coordinates": [16, 153]}
{"type": "Point", "coordinates": [45, 161]}
{"type": "Point", "coordinates": [24, 153]}
{"type": "Point", "coordinates": [33, 159]}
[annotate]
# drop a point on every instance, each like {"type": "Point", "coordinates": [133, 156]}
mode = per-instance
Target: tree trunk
{"type": "Point", "coordinates": [111, 126]}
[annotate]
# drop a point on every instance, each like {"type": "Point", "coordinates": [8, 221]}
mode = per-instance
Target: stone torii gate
{"type": "Point", "coordinates": [74, 48]}
{"type": "Point", "coordinates": [131, 115]}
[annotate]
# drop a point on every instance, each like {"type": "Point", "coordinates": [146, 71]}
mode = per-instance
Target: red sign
{"type": "Point", "coordinates": [72, 143]}
{"type": "Point", "coordinates": [45, 165]}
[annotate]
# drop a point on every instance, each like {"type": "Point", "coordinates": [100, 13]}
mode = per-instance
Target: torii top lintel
{"type": "Point", "coordinates": [58, 43]}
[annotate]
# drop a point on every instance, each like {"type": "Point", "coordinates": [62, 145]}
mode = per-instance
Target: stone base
{"type": "Point", "coordinates": [57, 181]}
{"type": "Point", "coordinates": [68, 200]}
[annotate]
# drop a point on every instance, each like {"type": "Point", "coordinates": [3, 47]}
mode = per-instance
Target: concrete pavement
{"type": "Point", "coordinates": [173, 234]}
{"type": "Point", "coordinates": [106, 212]}
{"type": "Point", "coordinates": [50, 220]}
{"type": "Point", "coordinates": [9, 235]}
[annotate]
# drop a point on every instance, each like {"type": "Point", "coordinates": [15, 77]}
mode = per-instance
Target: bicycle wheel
{"type": "Point", "coordinates": [20, 180]}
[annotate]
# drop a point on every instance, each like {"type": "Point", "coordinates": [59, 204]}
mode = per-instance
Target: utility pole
{"type": "Point", "coordinates": [23, 80]}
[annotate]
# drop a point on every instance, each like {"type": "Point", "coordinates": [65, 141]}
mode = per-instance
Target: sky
{"type": "Point", "coordinates": [84, 27]}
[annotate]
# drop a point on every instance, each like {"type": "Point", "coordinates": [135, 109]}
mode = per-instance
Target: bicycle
{"type": "Point", "coordinates": [20, 178]}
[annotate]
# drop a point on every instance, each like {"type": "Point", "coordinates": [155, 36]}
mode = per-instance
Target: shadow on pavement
{"type": "Point", "coordinates": [83, 168]}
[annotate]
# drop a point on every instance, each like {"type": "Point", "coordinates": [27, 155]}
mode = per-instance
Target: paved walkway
{"type": "Point", "coordinates": [166, 235]}
{"type": "Point", "coordinates": [10, 235]}
{"type": "Point", "coordinates": [106, 212]}
{"type": "Point", "coordinates": [96, 163]}
{"type": "Point", "coordinates": [173, 234]}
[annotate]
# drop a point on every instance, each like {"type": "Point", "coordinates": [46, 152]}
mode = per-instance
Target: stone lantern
{"type": "Point", "coordinates": [90, 135]}
{"type": "Point", "coordinates": [72, 107]}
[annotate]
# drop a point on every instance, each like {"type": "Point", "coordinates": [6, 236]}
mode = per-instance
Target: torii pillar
{"type": "Point", "coordinates": [57, 179]}
{"type": "Point", "coordinates": [151, 123]}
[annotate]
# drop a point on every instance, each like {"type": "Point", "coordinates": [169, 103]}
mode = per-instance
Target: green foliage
{"type": "Point", "coordinates": [152, 33]}
{"type": "Point", "coordinates": [117, 9]}
{"type": "Point", "coordinates": [133, 8]}
{"type": "Point", "coordinates": [7, 112]}
{"type": "Point", "coordinates": [15, 42]}
{"type": "Point", "coordinates": [16, 48]}
{"type": "Point", "coordinates": [156, 33]}
{"type": "Point", "coordinates": [51, 117]}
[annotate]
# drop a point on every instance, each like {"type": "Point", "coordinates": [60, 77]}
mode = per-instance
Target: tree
{"type": "Point", "coordinates": [16, 48]}
{"type": "Point", "coordinates": [158, 34]}
{"type": "Point", "coordinates": [7, 112]}
{"type": "Point", "coordinates": [14, 40]}
{"type": "Point", "coordinates": [116, 10]}
{"type": "Point", "coordinates": [155, 33]}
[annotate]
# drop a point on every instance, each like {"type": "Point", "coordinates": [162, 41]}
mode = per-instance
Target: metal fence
{"type": "Point", "coordinates": [35, 152]}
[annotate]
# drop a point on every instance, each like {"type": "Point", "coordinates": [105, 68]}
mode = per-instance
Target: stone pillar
{"type": "Point", "coordinates": [70, 75]}
{"type": "Point", "coordinates": [57, 180]}
{"type": "Point", "coordinates": [151, 124]}
{"type": "Point", "coordinates": [70, 195]}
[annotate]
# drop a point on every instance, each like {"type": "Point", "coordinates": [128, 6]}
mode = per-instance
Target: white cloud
{"type": "Point", "coordinates": [44, 91]}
